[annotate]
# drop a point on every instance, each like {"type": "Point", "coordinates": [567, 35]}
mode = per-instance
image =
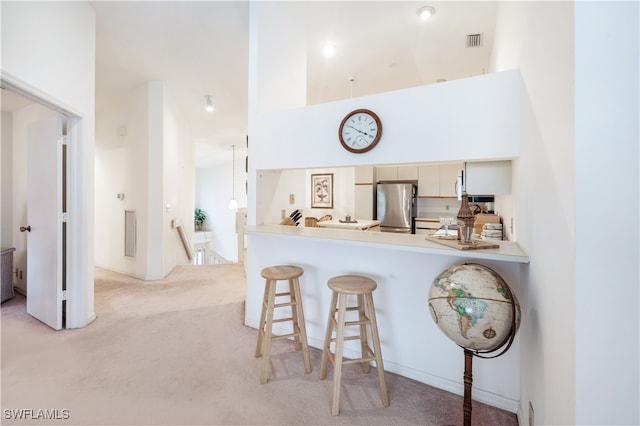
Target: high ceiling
{"type": "Point", "coordinates": [202, 47]}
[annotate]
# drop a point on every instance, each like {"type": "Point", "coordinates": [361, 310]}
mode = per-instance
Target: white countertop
{"type": "Point", "coordinates": [509, 251]}
{"type": "Point", "coordinates": [360, 224]}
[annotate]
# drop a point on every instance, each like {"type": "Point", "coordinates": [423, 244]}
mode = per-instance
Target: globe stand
{"type": "Point", "coordinates": [468, 364]}
{"type": "Point", "coordinates": [468, 380]}
{"type": "Point", "coordinates": [458, 283]}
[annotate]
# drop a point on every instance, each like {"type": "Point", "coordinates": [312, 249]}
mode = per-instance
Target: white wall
{"type": "Point", "coordinates": [152, 165]}
{"type": "Point", "coordinates": [282, 59]}
{"type": "Point", "coordinates": [566, 183]}
{"type": "Point", "coordinates": [48, 48]}
{"type": "Point", "coordinates": [122, 168]}
{"type": "Point", "coordinates": [6, 189]}
{"type": "Point", "coordinates": [537, 37]}
{"type": "Point", "coordinates": [476, 118]}
{"type": "Point", "coordinates": [178, 185]}
{"type": "Point", "coordinates": [606, 173]}
{"type": "Point", "coordinates": [155, 181]}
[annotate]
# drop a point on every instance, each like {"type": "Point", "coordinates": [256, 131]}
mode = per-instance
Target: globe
{"type": "Point", "coordinates": [474, 307]}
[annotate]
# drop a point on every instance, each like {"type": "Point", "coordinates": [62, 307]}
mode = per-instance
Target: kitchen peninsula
{"type": "Point", "coordinates": [509, 251]}
{"type": "Point", "coordinates": [472, 119]}
{"type": "Point", "coordinates": [404, 267]}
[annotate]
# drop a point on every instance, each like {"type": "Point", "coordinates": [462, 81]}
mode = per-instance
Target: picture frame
{"type": "Point", "coordinates": [322, 191]}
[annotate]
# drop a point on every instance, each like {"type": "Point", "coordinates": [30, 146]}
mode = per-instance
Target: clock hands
{"type": "Point", "coordinates": [359, 131]}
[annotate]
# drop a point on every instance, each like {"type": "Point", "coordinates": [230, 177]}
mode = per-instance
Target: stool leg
{"type": "Point", "coordinates": [376, 343]}
{"type": "Point", "coordinates": [299, 324]}
{"type": "Point", "coordinates": [263, 312]}
{"type": "Point", "coordinates": [337, 364]}
{"type": "Point", "coordinates": [326, 346]}
{"type": "Point", "coordinates": [266, 343]}
{"type": "Point", "coordinates": [364, 344]}
{"type": "Point", "coordinates": [293, 296]}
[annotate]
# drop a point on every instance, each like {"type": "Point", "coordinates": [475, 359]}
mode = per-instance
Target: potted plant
{"type": "Point", "coordinates": [198, 218]}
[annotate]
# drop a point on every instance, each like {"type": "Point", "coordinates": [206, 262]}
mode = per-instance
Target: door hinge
{"type": "Point", "coordinates": [64, 295]}
{"type": "Point", "coordinates": [65, 140]}
{"type": "Point", "coordinates": [64, 217]}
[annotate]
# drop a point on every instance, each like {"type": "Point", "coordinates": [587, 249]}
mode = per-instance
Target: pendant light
{"type": "Point", "coordinates": [208, 104]}
{"type": "Point", "coordinates": [233, 204]}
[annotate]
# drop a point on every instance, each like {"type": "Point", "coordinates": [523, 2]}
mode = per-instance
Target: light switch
{"type": "Point", "coordinates": [292, 198]}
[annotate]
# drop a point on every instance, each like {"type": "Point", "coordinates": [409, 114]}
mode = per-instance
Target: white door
{"type": "Point", "coordinates": [44, 216]}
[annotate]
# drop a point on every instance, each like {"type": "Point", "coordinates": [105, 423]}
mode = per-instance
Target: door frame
{"type": "Point", "coordinates": [78, 256]}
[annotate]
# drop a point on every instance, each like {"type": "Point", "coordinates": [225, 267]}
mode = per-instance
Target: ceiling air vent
{"type": "Point", "coordinates": [474, 40]}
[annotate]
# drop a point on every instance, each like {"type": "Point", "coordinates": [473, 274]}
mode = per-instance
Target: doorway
{"type": "Point", "coordinates": [36, 151]}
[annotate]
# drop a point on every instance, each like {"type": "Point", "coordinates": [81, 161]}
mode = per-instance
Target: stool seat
{"type": "Point", "coordinates": [352, 284]}
{"type": "Point", "coordinates": [272, 275]}
{"type": "Point", "coordinates": [282, 272]}
{"type": "Point", "coordinates": [362, 288]}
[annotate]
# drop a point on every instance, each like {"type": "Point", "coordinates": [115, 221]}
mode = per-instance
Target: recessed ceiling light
{"type": "Point", "coordinates": [426, 12]}
{"type": "Point", "coordinates": [329, 49]}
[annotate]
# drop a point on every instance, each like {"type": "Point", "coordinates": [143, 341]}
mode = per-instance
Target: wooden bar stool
{"type": "Point", "coordinates": [272, 274]}
{"type": "Point", "coordinates": [363, 288]}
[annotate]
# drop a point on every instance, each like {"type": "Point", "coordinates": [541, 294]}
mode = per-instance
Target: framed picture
{"type": "Point", "coordinates": [322, 191]}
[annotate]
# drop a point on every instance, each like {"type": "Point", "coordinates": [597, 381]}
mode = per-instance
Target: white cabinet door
{"type": "Point", "coordinates": [364, 174]}
{"type": "Point", "coordinates": [363, 202]}
{"type": "Point", "coordinates": [488, 178]}
{"type": "Point", "coordinates": [394, 173]}
{"type": "Point", "coordinates": [449, 179]}
{"type": "Point", "coordinates": [387, 173]}
{"type": "Point", "coordinates": [438, 180]}
{"type": "Point", "coordinates": [408, 173]}
{"type": "Point", "coordinates": [428, 181]}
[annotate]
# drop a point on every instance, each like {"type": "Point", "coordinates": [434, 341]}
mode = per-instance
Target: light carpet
{"type": "Point", "coordinates": [176, 352]}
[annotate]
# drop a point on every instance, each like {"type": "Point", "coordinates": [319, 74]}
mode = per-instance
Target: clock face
{"type": "Point", "coordinates": [360, 131]}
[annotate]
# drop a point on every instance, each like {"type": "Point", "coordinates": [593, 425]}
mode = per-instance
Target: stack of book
{"type": "Point", "coordinates": [491, 231]}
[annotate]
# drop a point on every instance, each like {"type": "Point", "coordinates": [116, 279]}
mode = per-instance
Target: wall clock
{"type": "Point", "coordinates": [360, 131]}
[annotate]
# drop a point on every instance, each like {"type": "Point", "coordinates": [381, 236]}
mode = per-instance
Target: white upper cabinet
{"type": "Point", "coordinates": [407, 172]}
{"type": "Point", "coordinates": [438, 180]}
{"type": "Point", "coordinates": [488, 178]}
{"type": "Point", "coordinates": [387, 173]}
{"type": "Point", "coordinates": [429, 181]}
{"type": "Point", "coordinates": [393, 173]}
{"type": "Point", "coordinates": [449, 179]}
{"type": "Point", "coordinates": [364, 174]}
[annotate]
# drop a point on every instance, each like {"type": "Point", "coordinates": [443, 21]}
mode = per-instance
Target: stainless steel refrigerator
{"type": "Point", "coordinates": [396, 207]}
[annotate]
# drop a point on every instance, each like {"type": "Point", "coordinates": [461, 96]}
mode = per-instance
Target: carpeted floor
{"type": "Point", "coordinates": [176, 352]}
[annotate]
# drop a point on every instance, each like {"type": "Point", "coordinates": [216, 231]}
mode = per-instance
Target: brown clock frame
{"type": "Point", "coordinates": [375, 140]}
